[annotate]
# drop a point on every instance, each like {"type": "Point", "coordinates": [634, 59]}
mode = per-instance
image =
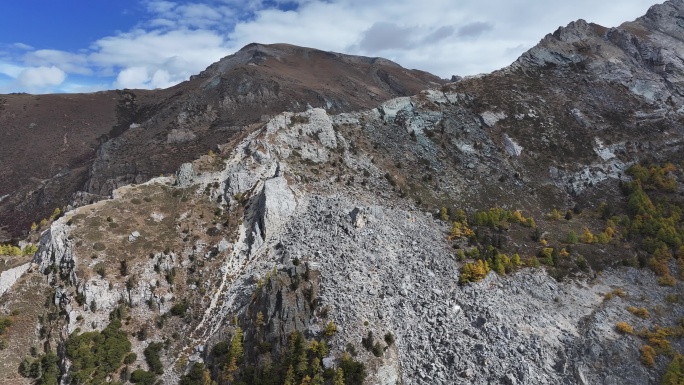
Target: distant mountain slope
{"type": "Point", "coordinates": [57, 145]}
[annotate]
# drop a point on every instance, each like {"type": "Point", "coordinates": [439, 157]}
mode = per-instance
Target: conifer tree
{"type": "Point", "coordinates": [316, 371]}
{"type": "Point", "coordinates": [290, 376]}
{"type": "Point", "coordinates": [339, 377]}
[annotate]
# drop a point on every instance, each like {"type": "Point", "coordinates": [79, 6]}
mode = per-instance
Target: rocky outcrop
{"type": "Point", "coordinates": [278, 203]}
{"type": "Point", "coordinates": [9, 277]}
{"type": "Point", "coordinates": [55, 252]}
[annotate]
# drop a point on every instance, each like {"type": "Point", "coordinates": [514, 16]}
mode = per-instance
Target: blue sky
{"type": "Point", "coordinates": [85, 46]}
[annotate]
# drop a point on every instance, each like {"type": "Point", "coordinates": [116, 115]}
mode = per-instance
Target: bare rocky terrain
{"type": "Point", "coordinates": [326, 240]}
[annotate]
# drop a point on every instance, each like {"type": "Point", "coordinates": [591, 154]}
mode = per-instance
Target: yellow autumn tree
{"type": "Point", "coordinates": [555, 215]}
{"type": "Point", "coordinates": [330, 329]}
{"type": "Point", "coordinates": [473, 272]}
{"type": "Point", "coordinates": [624, 328]}
{"type": "Point", "coordinates": [443, 214]}
{"type": "Point", "coordinates": [260, 319]}
{"type": "Point", "coordinates": [456, 230]}
{"type": "Point", "coordinates": [517, 216]}
{"type": "Point", "coordinates": [648, 355]}
{"type": "Point", "coordinates": [587, 236]}
{"type": "Point", "coordinates": [235, 354]}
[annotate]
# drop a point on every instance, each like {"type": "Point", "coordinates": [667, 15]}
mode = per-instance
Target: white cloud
{"type": "Point", "coordinates": [66, 61]}
{"type": "Point", "coordinates": [10, 70]}
{"type": "Point", "coordinates": [161, 7]}
{"type": "Point", "coordinates": [39, 77]}
{"type": "Point", "coordinates": [161, 79]}
{"type": "Point", "coordinates": [22, 46]}
{"type": "Point", "coordinates": [134, 77]}
{"type": "Point", "coordinates": [190, 15]}
{"type": "Point", "coordinates": [385, 35]}
{"type": "Point", "coordinates": [156, 48]}
{"type": "Point", "coordinates": [170, 56]}
{"type": "Point", "coordinates": [139, 77]}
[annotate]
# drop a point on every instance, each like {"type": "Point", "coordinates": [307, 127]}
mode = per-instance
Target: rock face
{"type": "Point", "coordinates": [312, 220]}
{"type": "Point", "coordinates": [9, 277]}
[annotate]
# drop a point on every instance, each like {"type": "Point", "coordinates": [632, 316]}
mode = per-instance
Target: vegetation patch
{"type": "Point", "coordinates": [97, 355]}
{"type": "Point", "coordinates": [152, 357]}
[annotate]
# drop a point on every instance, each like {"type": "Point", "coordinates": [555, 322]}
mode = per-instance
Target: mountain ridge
{"type": "Point", "coordinates": [103, 137]}
{"type": "Point", "coordinates": [362, 242]}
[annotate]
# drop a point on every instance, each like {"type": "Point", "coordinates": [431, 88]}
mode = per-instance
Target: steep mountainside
{"type": "Point", "coordinates": [521, 227]}
{"type": "Point", "coordinates": [57, 145]}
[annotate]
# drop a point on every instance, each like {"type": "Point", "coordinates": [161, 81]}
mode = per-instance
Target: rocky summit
{"type": "Point", "coordinates": [518, 227]}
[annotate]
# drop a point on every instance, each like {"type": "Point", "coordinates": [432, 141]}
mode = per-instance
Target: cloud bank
{"type": "Point", "coordinates": [176, 39]}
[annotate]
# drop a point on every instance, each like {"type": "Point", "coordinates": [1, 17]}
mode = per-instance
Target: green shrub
{"type": "Point", "coordinates": [5, 322]}
{"type": "Point", "coordinates": [581, 262]}
{"type": "Point", "coordinates": [675, 371]}
{"type": "Point", "coordinates": [142, 377]}
{"type": "Point", "coordinates": [547, 255]}
{"type": "Point", "coordinates": [220, 349]}
{"type": "Point", "coordinates": [130, 358]}
{"type": "Point", "coordinates": [100, 269]}
{"type": "Point", "coordinates": [152, 357]}
{"type": "Point", "coordinates": [30, 249]}
{"type": "Point", "coordinates": [377, 349]}
{"type": "Point", "coordinates": [389, 338]}
{"type": "Point", "coordinates": [50, 368]}
{"type": "Point", "coordinates": [367, 342]}
{"type": "Point", "coordinates": [196, 375]}
{"type": "Point", "coordinates": [354, 372]}
{"type": "Point", "coordinates": [96, 355]}
{"type": "Point", "coordinates": [533, 262]}
{"type": "Point", "coordinates": [179, 309]}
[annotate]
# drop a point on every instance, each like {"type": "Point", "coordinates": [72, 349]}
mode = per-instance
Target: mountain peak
{"type": "Point", "coordinates": [254, 83]}
{"type": "Point", "coordinates": [305, 220]}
